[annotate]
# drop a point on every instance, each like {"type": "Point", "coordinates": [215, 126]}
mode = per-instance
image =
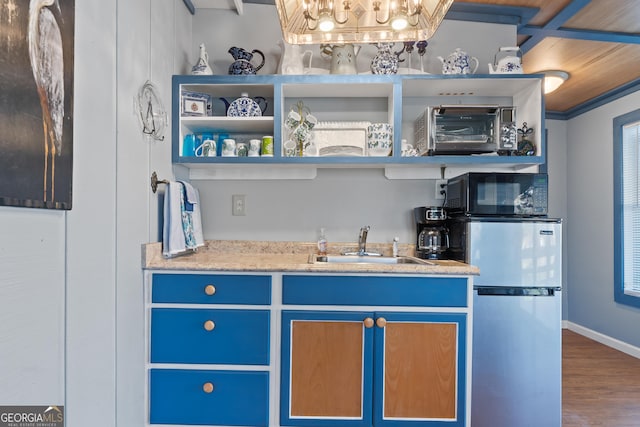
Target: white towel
{"type": "Point", "coordinates": [182, 227]}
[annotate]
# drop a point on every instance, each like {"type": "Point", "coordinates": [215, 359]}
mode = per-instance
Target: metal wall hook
{"type": "Point", "coordinates": [155, 181]}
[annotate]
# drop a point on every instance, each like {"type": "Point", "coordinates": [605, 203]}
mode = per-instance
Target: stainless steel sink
{"type": "Point", "coordinates": [367, 259]}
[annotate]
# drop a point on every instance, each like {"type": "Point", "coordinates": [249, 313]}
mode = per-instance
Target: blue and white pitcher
{"type": "Point", "coordinates": [242, 64]}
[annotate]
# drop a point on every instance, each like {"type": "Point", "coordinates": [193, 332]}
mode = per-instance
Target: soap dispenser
{"type": "Point", "coordinates": [322, 243]}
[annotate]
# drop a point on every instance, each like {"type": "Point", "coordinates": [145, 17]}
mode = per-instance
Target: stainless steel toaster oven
{"type": "Point", "coordinates": [466, 129]}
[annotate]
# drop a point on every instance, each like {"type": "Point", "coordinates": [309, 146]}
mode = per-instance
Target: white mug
{"type": "Point", "coordinates": [254, 147]}
{"type": "Point", "coordinates": [292, 120]}
{"type": "Point", "coordinates": [206, 149]}
{"type": "Point", "coordinates": [229, 147]}
{"type": "Point", "coordinates": [289, 148]}
{"type": "Point", "coordinates": [242, 150]}
{"type": "Point", "coordinates": [311, 121]}
{"type": "Point", "coordinates": [311, 150]}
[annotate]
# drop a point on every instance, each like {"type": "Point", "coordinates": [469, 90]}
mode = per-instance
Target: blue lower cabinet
{"type": "Point", "coordinates": [238, 337]}
{"type": "Point", "coordinates": [201, 397]}
{"type": "Point", "coordinates": [372, 290]}
{"type": "Point", "coordinates": [211, 289]}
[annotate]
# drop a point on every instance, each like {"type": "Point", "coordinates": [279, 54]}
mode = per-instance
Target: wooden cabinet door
{"type": "Point", "coordinates": [326, 369]}
{"type": "Point", "coordinates": [420, 369]}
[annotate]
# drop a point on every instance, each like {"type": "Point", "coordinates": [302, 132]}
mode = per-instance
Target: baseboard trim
{"type": "Point", "coordinates": [603, 339]}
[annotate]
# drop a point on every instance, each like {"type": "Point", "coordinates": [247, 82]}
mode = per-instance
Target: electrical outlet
{"type": "Point", "coordinates": [238, 205]}
{"type": "Point", "coordinates": [441, 189]}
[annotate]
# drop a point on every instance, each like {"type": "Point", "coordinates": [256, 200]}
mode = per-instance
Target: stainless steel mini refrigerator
{"type": "Point", "coordinates": [517, 353]}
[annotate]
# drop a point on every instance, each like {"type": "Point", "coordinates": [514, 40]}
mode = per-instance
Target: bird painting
{"type": "Point", "coordinates": [46, 58]}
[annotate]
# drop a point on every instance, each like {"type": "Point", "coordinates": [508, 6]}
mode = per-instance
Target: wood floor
{"type": "Point", "coordinates": [600, 385]}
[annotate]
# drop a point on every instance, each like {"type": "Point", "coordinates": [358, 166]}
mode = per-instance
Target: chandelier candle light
{"type": "Point", "coordinates": [359, 21]}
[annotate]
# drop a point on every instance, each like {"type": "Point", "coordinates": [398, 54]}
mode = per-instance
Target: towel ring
{"type": "Point", "coordinates": [155, 181]}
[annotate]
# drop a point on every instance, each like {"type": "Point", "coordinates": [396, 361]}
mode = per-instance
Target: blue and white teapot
{"type": "Point", "coordinates": [245, 106]}
{"type": "Point", "coordinates": [459, 62]}
{"type": "Point", "coordinates": [508, 60]}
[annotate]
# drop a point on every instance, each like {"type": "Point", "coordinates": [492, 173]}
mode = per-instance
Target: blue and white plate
{"type": "Point", "coordinates": [244, 107]}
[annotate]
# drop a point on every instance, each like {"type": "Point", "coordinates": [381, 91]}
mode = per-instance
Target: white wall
{"type": "Point", "coordinates": [152, 36]}
{"type": "Point", "coordinates": [557, 170]}
{"type": "Point", "coordinates": [32, 285]}
{"type": "Point", "coordinates": [590, 227]}
{"type": "Point", "coordinates": [119, 45]}
{"type": "Point", "coordinates": [91, 251]}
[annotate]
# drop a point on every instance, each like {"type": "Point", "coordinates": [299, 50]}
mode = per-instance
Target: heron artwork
{"type": "Point", "coordinates": [45, 55]}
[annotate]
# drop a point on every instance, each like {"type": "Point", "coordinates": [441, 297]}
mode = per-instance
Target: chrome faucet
{"type": "Point", "coordinates": [362, 240]}
{"type": "Point", "coordinates": [362, 244]}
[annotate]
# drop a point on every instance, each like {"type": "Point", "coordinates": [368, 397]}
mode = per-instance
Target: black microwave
{"type": "Point", "coordinates": [498, 194]}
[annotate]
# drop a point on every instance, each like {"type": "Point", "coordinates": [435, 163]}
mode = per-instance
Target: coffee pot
{"type": "Point", "coordinates": [432, 239]}
{"type": "Point", "coordinates": [243, 58]}
{"type": "Point", "coordinates": [342, 56]}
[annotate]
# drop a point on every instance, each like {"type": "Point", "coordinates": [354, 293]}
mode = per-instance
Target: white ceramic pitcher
{"type": "Point", "coordinates": [292, 58]}
{"type": "Point", "coordinates": [343, 57]}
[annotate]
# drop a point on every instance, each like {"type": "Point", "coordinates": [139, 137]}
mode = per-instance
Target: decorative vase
{"type": "Point", "coordinates": [202, 66]}
{"type": "Point", "coordinates": [385, 61]}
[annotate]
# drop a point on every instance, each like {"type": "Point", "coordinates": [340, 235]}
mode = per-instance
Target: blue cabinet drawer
{"type": "Point", "coordinates": [368, 290]}
{"type": "Point", "coordinates": [231, 398]}
{"type": "Point", "coordinates": [211, 289]}
{"type": "Point", "coordinates": [235, 337]}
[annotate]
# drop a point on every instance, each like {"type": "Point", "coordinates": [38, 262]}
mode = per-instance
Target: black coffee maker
{"type": "Point", "coordinates": [432, 234]}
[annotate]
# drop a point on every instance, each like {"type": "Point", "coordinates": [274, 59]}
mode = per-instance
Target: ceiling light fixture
{"type": "Point", "coordinates": [553, 79]}
{"type": "Point", "coordinates": [399, 13]}
{"type": "Point", "coordinates": [359, 21]}
{"type": "Point", "coordinates": [320, 15]}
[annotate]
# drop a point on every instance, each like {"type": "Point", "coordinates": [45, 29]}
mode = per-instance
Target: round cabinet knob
{"type": "Point", "coordinates": [207, 387]}
{"type": "Point", "coordinates": [381, 322]}
{"type": "Point", "coordinates": [209, 325]}
{"type": "Point", "coordinates": [209, 289]}
{"type": "Point", "coordinates": [368, 322]}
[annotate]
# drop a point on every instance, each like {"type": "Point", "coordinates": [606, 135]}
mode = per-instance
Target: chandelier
{"type": "Point", "coordinates": [359, 21]}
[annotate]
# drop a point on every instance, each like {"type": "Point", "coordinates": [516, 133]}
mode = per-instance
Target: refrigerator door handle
{"type": "Point", "coordinates": [517, 291]}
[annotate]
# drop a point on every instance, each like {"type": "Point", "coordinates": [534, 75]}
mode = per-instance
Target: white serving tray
{"type": "Point", "coordinates": [340, 138]}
